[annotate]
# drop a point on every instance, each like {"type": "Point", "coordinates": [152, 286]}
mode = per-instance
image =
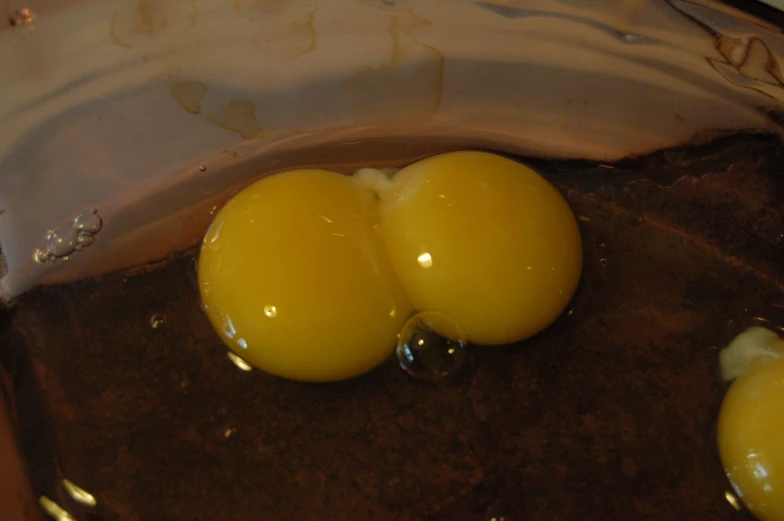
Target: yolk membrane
{"type": "Point", "coordinates": [293, 276]}
{"type": "Point", "coordinates": [484, 240]}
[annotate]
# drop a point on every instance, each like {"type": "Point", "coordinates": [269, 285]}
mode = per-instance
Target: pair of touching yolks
{"type": "Point", "coordinates": [751, 421]}
{"type": "Point", "coordinates": [310, 274]}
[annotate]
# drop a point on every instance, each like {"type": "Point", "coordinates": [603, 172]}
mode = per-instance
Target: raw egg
{"type": "Point", "coordinates": [484, 240]}
{"type": "Point", "coordinates": [294, 277]}
{"type": "Point", "coordinates": [310, 274]}
{"type": "Point", "coordinates": [751, 422]}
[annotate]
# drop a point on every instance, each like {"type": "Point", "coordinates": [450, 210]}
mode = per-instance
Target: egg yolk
{"type": "Point", "coordinates": [310, 274]}
{"type": "Point", "coordinates": [484, 240]}
{"type": "Point", "coordinates": [751, 424]}
{"type": "Point", "coordinates": [294, 277]}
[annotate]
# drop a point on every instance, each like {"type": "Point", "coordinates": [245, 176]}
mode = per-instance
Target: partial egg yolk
{"type": "Point", "coordinates": [484, 240]}
{"type": "Point", "coordinates": [294, 276]}
{"type": "Point", "coordinates": [751, 426]}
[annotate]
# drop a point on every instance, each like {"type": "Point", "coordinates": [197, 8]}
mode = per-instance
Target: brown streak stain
{"type": "Point", "coordinates": [194, 14]}
{"type": "Point", "coordinates": [289, 41]}
{"type": "Point", "coordinates": [757, 64]}
{"type": "Point", "coordinates": [752, 57]}
{"type": "Point", "coordinates": [238, 116]}
{"type": "Point", "coordinates": [189, 95]}
{"type": "Point", "coordinates": [382, 94]}
{"type": "Point", "coordinates": [113, 35]}
{"type": "Point", "coordinates": [146, 20]}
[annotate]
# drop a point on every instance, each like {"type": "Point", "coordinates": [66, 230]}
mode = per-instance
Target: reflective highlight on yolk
{"type": "Point", "coordinates": [484, 240]}
{"type": "Point", "coordinates": [751, 431]}
{"type": "Point", "coordinates": [293, 275]}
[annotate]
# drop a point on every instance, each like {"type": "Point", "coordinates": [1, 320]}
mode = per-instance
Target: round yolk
{"type": "Point", "coordinates": [750, 434]}
{"type": "Point", "coordinates": [751, 426]}
{"type": "Point", "coordinates": [293, 275]}
{"type": "Point", "coordinates": [484, 240]}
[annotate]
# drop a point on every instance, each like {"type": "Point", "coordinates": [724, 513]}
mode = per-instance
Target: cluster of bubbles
{"type": "Point", "coordinates": [70, 236]}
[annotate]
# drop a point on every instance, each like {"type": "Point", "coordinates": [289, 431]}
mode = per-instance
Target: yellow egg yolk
{"type": "Point", "coordinates": [751, 425]}
{"type": "Point", "coordinates": [293, 276]}
{"type": "Point", "coordinates": [310, 275]}
{"type": "Point", "coordinates": [484, 240]}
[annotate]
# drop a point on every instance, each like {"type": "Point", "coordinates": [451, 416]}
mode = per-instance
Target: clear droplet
{"type": "Point", "coordinates": [89, 222]}
{"type": "Point", "coordinates": [69, 236]}
{"type": "Point", "coordinates": [432, 346]}
{"type": "Point", "coordinates": [203, 168]}
{"type": "Point", "coordinates": [157, 320]}
{"type": "Point", "coordinates": [271, 311]}
{"type": "Point", "coordinates": [61, 241]}
{"type": "Point", "coordinates": [85, 240]}
{"type": "Point", "coordinates": [602, 263]}
{"type": "Point", "coordinates": [41, 256]}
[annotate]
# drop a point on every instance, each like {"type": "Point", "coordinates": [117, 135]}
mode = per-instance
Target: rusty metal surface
{"type": "Point", "coordinates": [609, 414]}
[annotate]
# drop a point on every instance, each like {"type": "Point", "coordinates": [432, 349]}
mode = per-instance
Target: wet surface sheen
{"type": "Point", "coordinates": [609, 414]}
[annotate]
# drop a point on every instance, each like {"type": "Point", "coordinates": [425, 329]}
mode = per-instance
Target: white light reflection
{"type": "Point", "coordinates": [425, 260]}
{"type": "Point", "coordinates": [242, 343]}
{"type": "Point", "coordinates": [228, 329]}
{"type": "Point", "coordinates": [216, 235]}
{"type": "Point", "coordinates": [79, 494]}
{"type": "Point", "coordinates": [239, 362]}
{"type": "Point", "coordinates": [54, 510]}
{"type": "Point", "coordinates": [759, 472]}
{"type": "Point", "coordinates": [732, 500]}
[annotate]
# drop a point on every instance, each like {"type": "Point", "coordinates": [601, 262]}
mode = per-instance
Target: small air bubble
{"type": "Point", "coordinates": [432, 347]}
{"type": "Point", "coordinates": [85, 240]}
{"type": "Point", "coordinates": [602, 263]}
{"type": "Point", "coordinates": [157, 320]}
{"type": "Point", "coordinates": [203, 168]}
{"type": "Point", "coordinates": [40, 256]}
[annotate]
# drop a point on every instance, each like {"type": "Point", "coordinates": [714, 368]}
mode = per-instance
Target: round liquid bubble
{"type": "Point", "coordinates": [432, 347]}
{"type": "Point", "coordinates": [483, 239]}
{"type": "Point", "coordinates": [751, 422]}
{"type": "Point", "coordinates": [294, 277]}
